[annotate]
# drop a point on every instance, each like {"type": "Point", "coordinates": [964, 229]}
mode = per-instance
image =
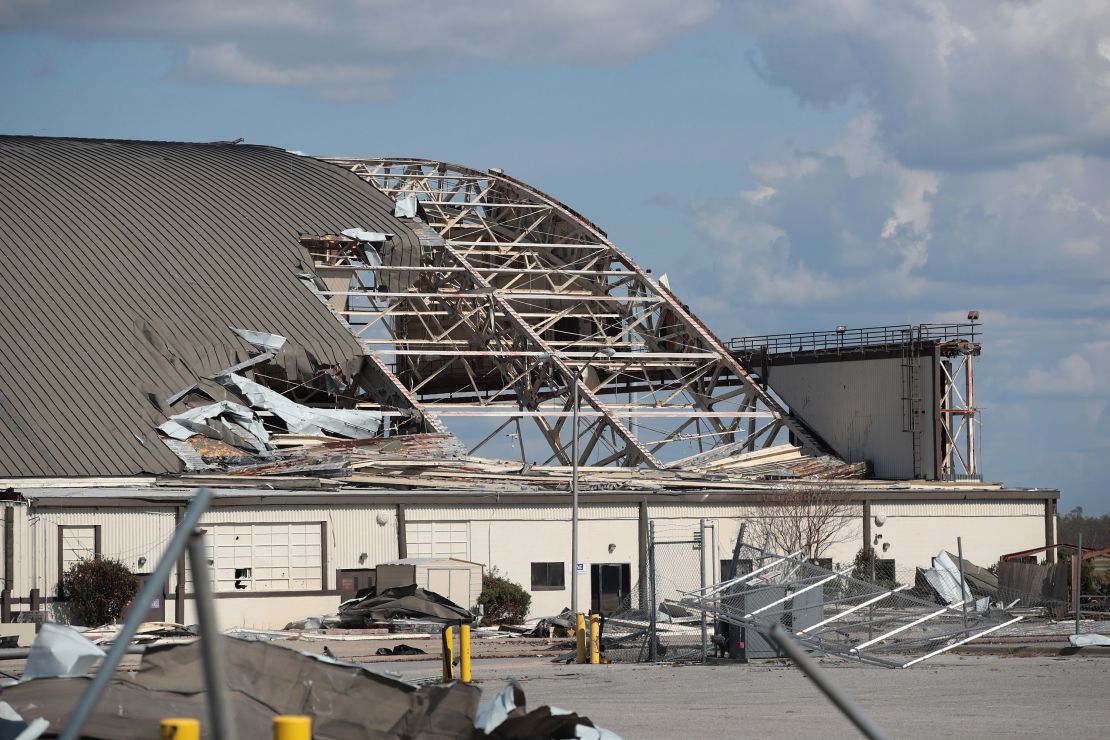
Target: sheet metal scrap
{"type": "Point", "coordinates": [345, 701]}
{"type": "Point", "coordinates": [837, 614]}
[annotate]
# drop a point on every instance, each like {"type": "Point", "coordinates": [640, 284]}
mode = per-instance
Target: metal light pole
{"type": "Point", "coordinates": [606, 352]}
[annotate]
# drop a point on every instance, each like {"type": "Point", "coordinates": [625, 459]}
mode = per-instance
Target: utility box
{"type": "Point", "coordinates": [454, 579]}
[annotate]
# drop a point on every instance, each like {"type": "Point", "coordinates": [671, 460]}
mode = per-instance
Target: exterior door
{"type": "Point", "coordinates": [156, 611]}
{"type": "Point", "coordinates": [609, 586]}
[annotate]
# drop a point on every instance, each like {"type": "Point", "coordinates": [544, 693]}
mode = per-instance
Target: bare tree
{"type": "Point", "coordinates": [810, 518]}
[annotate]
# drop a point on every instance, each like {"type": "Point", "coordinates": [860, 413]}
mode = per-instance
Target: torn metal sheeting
{"type": "Point", "coordinates": [60, 651]}
{"type": "Point", "coordinates": [300, 419]}
{"type": "Point", "coordinates": [261, 340]}
{"type": "Point", "coordinates": [345, 701]}
{"type": "Point", "coordinates": [14, 727]}
{"type": "Point", "coordinates": [236, 416]}
{"type": "Point", "coordinates": [362, 235]}
{"type": "Point", "coordinates": [406, 205]}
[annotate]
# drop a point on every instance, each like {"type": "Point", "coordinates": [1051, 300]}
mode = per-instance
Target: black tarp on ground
{"type": "Point", "coordinates": [403, 602]}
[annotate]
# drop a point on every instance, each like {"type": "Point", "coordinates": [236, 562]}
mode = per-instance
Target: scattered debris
{"type": "Point", "coordinates": [60, 651]}
{"type": "Point", "coordinates": [13, 727]}
{"type": "Point", "coordinates": [1089, 640]}
{"type": "Point", "coordinates": [401, 602]}
{"type": "Point", "coordinates": [345, 701]}
{"type": "Point", "coordinates": [401, 649]}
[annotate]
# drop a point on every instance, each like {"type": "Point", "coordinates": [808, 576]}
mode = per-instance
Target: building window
{"type": "Point", "coordinates": [251, 558]}
{"type": "Point", "coordinates": [76, 544]}
{"type": "Point", "coordinates": [438, 540]}
{"type": "Point", "coordinates": [548, 576]}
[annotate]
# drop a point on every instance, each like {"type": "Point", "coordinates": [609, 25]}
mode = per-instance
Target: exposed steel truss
{"type": "Point", "coordinates": [515, 298]}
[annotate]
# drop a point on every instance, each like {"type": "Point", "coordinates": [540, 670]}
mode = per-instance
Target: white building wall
{"type": "Point", "coordinates": [509, 538]}
{"type": "Point", "coordinates": [916, 532]}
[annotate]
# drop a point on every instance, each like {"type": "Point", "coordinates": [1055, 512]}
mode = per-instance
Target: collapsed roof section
{"type": "Point", "coordinates": [126, 266]}
{"type": "Point", "coordinates": [515, 305]}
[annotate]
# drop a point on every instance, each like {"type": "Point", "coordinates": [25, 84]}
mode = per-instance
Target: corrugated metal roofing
{"type": "Point", "coordinates": [123, 263]}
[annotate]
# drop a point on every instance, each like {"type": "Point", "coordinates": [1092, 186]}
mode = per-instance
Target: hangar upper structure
{"type": "Point", "coordinates": [179, 307]}
{"type": "Point", "coordinates": [517, 303]}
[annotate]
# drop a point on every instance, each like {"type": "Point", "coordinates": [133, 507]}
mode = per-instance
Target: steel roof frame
{"type": "Point", "coordinates": [514, 295]}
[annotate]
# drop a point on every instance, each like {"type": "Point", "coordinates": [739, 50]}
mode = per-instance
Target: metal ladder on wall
{"type": "Point", "coordinates": [911, 396]}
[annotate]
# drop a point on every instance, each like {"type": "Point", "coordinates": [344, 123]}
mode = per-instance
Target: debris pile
{"type": "Point", "coordinates": [345, 701]}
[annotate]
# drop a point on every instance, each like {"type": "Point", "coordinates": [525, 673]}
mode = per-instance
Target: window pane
{"type": "Point", "coordinates": [549, 576]}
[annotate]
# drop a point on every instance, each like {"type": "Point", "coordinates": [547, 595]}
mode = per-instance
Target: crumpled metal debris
{"type": "Point", "coordinates": [405, 206]}
{"type": "Point", "coordinates": [235, 416]}
{"type": "Point", "coordinates": [60, 651]}
{"type": "Point", "coordinates": [412, 602]}
{"type": "Point", "coordinates": [300, 419]}
{"type": "Point", "coordinates": [263, 341]}
{"type": "Point", "coordinates": [14, 727]}
{"type": "Point", "coordinates": [362, 235]}
{"type": "Point", "coordinates": [345, 701]}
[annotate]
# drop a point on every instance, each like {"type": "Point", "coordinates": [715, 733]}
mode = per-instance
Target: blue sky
{"type": "Point", "coordinates": [791, 165]}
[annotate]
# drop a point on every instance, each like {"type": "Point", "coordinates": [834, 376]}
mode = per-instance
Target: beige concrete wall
{"type": "Point", "coordinates": [269, 612]}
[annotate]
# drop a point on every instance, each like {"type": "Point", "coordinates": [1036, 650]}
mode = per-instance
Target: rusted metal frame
{"type": "Point", "coordinates": [428, 418]}
{"type": "Point", "coordinates": [553, 440]}
{"type": "Point", "coordinates": [434, 374]}
{"type": "Point", "coordinates": [538, 341]}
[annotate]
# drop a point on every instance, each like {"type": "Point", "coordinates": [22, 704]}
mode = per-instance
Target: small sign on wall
{"type": "Point", "coordinates": [581, 567]}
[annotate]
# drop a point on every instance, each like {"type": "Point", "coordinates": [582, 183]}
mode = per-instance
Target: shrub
{"type": "Point", "coordinates": [504, 602]}
{"type": "Point", "coordinates": [99, 590]}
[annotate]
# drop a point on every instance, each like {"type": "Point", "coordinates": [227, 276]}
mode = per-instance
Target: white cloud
{"type": "Point", "coordinates": [823, 227]}
{"type": "Point", "coordinates": [954, 83]}
{"type": "Point", "coordinates": [366, 48]}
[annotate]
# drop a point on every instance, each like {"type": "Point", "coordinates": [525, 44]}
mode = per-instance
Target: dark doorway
{"type": "Point", "coordinates": [609, 587]}
{"type": "Point", "coordinates": [157, 608]}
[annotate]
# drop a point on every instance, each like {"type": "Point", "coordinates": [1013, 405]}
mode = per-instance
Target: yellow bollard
{"type": "Point", "coordinates": [292, 727]}
{"type": "Point", "coordinates": [448, 653]}
{"type": "Point", "coordinates": [464, 653]}
{"type": "Point", "coordinates": [595, 639]}
{"type": "Point", "coordinates": [580, 635]}
{"type": "Point", "coordinates": [180, 728]}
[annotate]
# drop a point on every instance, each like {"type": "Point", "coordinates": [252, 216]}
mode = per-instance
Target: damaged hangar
{"type": "Point", "coordinates": [379, 359]}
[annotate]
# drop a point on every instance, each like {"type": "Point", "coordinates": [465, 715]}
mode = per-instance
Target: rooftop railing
{"type": "Point", "coordinates": [843, 338]}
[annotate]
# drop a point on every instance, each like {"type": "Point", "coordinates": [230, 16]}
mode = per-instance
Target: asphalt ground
{"type": "Point", "coordinates": [1036, 693]}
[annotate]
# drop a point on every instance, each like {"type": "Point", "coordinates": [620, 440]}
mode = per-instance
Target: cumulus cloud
{"type": "Point", "coordinates": [954, 83]}
{"type": "Point", "coordinates": [363, 48]}
{"type": "Point", "coordinates": [819, 227]}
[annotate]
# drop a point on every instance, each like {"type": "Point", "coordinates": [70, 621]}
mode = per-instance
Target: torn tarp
{"type": "Point", "coordinates": [403, 602]}
{"type": "Point", "coordinates": [299, 419]}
